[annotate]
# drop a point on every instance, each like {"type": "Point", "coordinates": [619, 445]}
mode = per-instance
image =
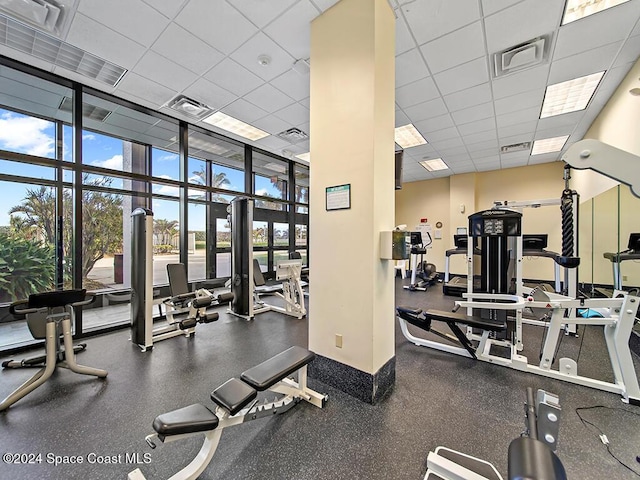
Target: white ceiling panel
{"type": "Point", "coordinates": [610, 82]}
{"type": "Point", "coordinates": [473, 138]}
{"type": "Point", "coordinates": [444, 134]}
{"type": "Point", "coordinates": [247, 55]}
{"type": "Point", "coordinates": [431, 19]}
{"type": "Point", "coordinates": [292, 29]}
{"type": "Point", "coordinates": [217, 23]}
{"type": "Point", "coordinates": [420, 151]}
{"type": "Point", "coordinates": [517, 129]}
{"type": "Point", "coordinates": [559, 131]}
{"type": "Point", "coordinates": [611, 25]}
{"type": "Point", "coordinates": [306, 102]}
{"type": "Point", "coordinates": [586, 63]}
{"type": "Point", "coordinates": [183, 48]}
{"type": "Point", "coordinates": [520, 116]}
{"type": "Point", "coordinates": [169, 8]}
{"type": "Point", "coordinates": [486, 167]}
{"type": "Point", "coordinates": [451, 146]}
{"type": "Point", "coordinates": [629, 52]}
{"type": "Point", "coordinates": [401, 119]}
{"type": "Point", "coordinates": [514, 159]}
{"type": "Point", "coordinates": [243, 110]}
{"type": "Point", "coordinates": [233, 77]}
{"type": "Point", "coordinates": [142, 23]}
{"type": "Point", "coordinates": [153, 65]}
{"type": "Point", "coordinates": [519, 101]}
{"type": "Point", "coordinates": [261, 13]}
{"type": "Point", "coordinates": [492, 6]}
{"type": "Point", "coordinates": [293, 84]}
{"type": "Point", "coordinates": [410, 67]}
{"type": "Point", "coordinates": [430, 109]}
{"type": "Point", "coordinates": [295, 114]}
{"type": "Point", "coordinates": [458, 159]}
{"type": "Point", "coordinates": [477, 127]}
{"type": "Point", "coordinates": [484, 154]}
{"type": "Point", "coordinates": [473, 114]}
{"type": "Point", "coordinates": [272, 143]}
{"type": "Point", "coordinates": [145, 88]}
{"type": "Point", "coordinates": [546, 158]}
{"type": "Point", "coordinates": [325, 4]}
{"type": "Point", "coordinates": [469, 97]}
{"type": "Point", "coordinates": [209, 93]}
{"type": "Point", "coordinates": [520, 82]}
{"type": "Point", "coordinates": [269, 98]}
{"type": "Point", "coordinates": [104, 42]}
{"type": "Point", "coordinates": [434, 124]}
{"type": "Point", "coordinates": [463, 76]}
{"type": "Point", "coordinates": [521, 22]}
{"type": "Point", "coordinates": [494, 159]}
{"type": "Point", "coordinates": [416, 92]}
{"type": "Point", "coordinates": [404, 40]}
{"type": "Point", "coordinates": [455, 48]}
{"type": "Point", "coordinates": [560, 120]}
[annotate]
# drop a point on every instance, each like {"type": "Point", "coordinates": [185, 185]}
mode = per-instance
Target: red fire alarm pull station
{"type": "Point", "coordinates": [424, 220]}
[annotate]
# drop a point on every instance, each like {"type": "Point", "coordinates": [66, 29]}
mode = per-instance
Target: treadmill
{"type": "Point", "coordinates": [632, 253]}
{"type": "Point", "coordinates": [456, 286]}
{"type": "Point", "coordinates": [533, 245]}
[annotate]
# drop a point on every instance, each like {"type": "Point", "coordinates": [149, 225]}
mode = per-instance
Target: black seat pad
{"type": "Point", "coordinates": [233, 395]}
{"type": "Point", "coordinates": [472, 321]}
{"type": "Point", "coordinates": [191, 419]}
{"type": "Point", "coordinates": [276, 368]}
{"type": "Point", "coordinates": [409, 310]}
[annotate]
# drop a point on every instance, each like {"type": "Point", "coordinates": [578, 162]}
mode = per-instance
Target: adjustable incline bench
{"type": "Point", "coordinates": [236, 403]}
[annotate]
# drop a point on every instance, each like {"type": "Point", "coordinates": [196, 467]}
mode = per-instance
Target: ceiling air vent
{"type": "Point", "coordinates": [28, 40]}
{"type": "Point", "coordinates": [515, 147]}
{"type": "Point", "coordinates": [50, 15]}
{"type": "Point", "coordinates": [89, 111]}
{"type": "Point", "coordinates": [293, 135]}
{"type": "Point", "coordinates": [523, 56]}
{"type": "Point", "coordinates": [190, 107]}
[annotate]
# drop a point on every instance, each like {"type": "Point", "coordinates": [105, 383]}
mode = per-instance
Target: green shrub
{"type": "Point", "coordinates": [162, 248]}
{"type": "Point", "coordinates": [25, 267]}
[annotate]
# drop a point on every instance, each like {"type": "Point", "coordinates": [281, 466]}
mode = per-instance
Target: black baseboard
{"type": "Point", "coordinates": [361, 385]}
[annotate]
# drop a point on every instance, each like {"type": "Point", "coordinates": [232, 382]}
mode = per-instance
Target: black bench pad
{"type": "Point", "coordinates": [276, 368]}
{"type": "Point", "coordinates": [191, 419]}
{"type": "Point", "coordinates": [409, 310]}
{"type": "Point", "coordinates": [233, 395]}
{"type": "Point", "coordinates": [473, 321]}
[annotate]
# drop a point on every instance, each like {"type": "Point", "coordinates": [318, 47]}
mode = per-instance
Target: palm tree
{"type": "Point", "coordinates": [38, 211]}
{"type": "Point", "coordinates": [219, 180]}
{"type": "Point", "coordinates": [164, 230]}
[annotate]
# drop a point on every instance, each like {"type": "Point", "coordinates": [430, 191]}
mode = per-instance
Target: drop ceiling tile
{"type": "Point", "coordinates": [268, 98]}
{"type": "Point", "coordinates": [609, 84]}
{"type": "Point", "coordinates": [464, 76]}
{"type": "Point", "coordinates": [424, 110]}
{"type": "Point", "coordinates": [525, 81]}
{"type": "Point", "coordinates": [209, 93]}
{"type": "Point", "coordinates": [272, 144]}
{"type": "Point", "coordinates": [517, 129]}
{"type": "Point", "coordinates": [144, 88]}
{"type": "Point", "coordinates": [295, 114]}
{"type": "Point", "coordinates": [514, 159]}
{"type": "Point", "coordinates": [455, 48]}
{"type": "Point", "coordinates": [292, 29]}
{"type": "Point", "coordinates": [169, 8]}
{"type": "Point", "coordinates": [444, 134]}
{"type": "Point", "coordinates": [293, 84]}
{"type": "Point", "coordinates": [521, 116]}
{"type": "Point", "coordinates": [261, 13]}
{"type": "Point", "coordinates": [247, 56]}
{"type": "Point", "coordinates": [325, 4]}
{"type": "Point", "coordinates": [521, 22]}
{"type": "Point", "coordinates": [428, 21]}
{"type": "Point", "coordinates": [493, 159]}
{"type": "Point", "coordinates": [559, 131]}
{"type": "Point", "coordinates": [179, 46]}
{"type": "Point", "coordinates": [469, 97]}
{"type": "Point", "coordinates": [459, 159]}
{"type": "Point", "coordinates": [474, 138]}
{"type": "Point", "coordinates": [233, 77]}
{"type": "Point", "coordinates": [473, 114]}
{"type": "Point", "coordinates": [243, 110]}
{"type": "Point", "coordinates": [596, 60]}
{"type": "Point", "coordinates": [611, 25]}
{"type": "Point", "coordinates": [434, 124]}
{"type": "Point", "coordinates": [519, 101]}
{"type": "Point", "coordinates": [514, 140]}
{"type": "Point", "coordinates": [154, 66]}
{"type": "Point", "coordinates": [420, 151]}
{"type": "Point", "coordinates": [487, 167]}
{"type": "Point", "coordinates": [547, 158]}
{"type": "Point", "coordinates": [463, 168]}
{"type": "Point", "coordinates": [410, 67]}
{"type": "Point", "coordinates": [630, 51]}
{"type": "Point", "coordinates": [306, 102]}
{"type": "Point", "coordinates": [401, 119]}
{"type": "Point", "coordinates": [104, 42]}
{"type": "Point", "coordinates": [141, 23]}
{"type": "Point", "coordinates": [416, 92]}
{"type": "Point", "coordinates": [217, 23]}
{"type": "Point", "coordinates": [404, 40]}
{"type": "Point", "coordinates": [453, 147]}
{"type": "Point", "coordinates": [488, 153]}
{"type": "Point", "coordinates": [563, 120]}
{"type": "Point", "coordinates": [490, 7]}
{"type": "Point", "coordinates": [477, 127]}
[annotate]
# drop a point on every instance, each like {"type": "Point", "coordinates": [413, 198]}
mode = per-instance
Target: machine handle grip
{"type": "Point", "coordinates": [455, 308]}
{"type": "Point", "coordinates": [22, 311]}
{"type": "Point", "coordinates": [90, 297]}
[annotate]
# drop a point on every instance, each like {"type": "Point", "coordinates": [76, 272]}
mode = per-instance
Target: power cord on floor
{"type": "Point", "coordinates": [603, 437]}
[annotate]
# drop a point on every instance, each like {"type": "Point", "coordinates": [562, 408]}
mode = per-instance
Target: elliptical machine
{"type": "Point", "coordinates": [423, 274]}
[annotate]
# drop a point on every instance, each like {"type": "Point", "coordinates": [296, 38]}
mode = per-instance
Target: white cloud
{"type": "Point", "coordinates": [263, 191]}
{"type": "Point", "coordinates": [88, 136]}
{"type": "Point", "coordinates": [170, 157]}
{"type": "Point", "coordinates": [114, 163]}
{"type": "Point", "coordinates": [26, 135]}
{"type": "Point", "coordinates": [167, 190]}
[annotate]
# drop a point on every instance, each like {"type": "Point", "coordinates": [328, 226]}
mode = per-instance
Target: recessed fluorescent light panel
{"type": "Point", "coordinates": [408, 136]}
{"type": "Point", "coordinates": [434, 165]}
{"type": "Point", "coordinates": [569, 96]}
{"type": "Point", "coordinates": [577, 9]}
{"type": "Point", "coordinates": [304, 156]}
{"type": "Point", "coordinates": [548, 145]}
{"type": "Point", "coordinates": [236, 126]}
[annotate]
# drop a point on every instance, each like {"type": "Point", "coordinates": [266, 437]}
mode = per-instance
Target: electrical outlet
{"type": "Point", "coordinates": [338, 340]}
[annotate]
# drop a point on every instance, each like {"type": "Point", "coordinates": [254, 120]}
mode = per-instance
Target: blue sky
{"type": "Point", "coordinates": [33, 136]}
